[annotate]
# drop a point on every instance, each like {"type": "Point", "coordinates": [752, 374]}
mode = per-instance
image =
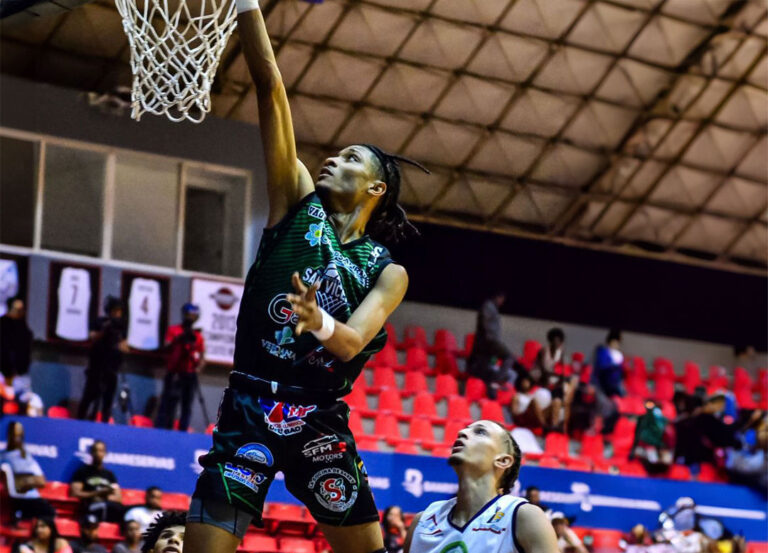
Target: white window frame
{"type": "Point", "coordinates": [108, 205]}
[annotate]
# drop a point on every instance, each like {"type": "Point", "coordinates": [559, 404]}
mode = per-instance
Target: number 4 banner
{"type": "Point", "coordinates": [219, 304]}
{"type": "Point", "coordinates": [146, 297]}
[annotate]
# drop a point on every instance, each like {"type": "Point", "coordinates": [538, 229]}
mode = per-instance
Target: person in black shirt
{"type": "Point", "coordinates": [16, 344]}
{"type": "Point", "coordinates": [108, 335]}
{"type": "Point", "coordinates": [97, 488]}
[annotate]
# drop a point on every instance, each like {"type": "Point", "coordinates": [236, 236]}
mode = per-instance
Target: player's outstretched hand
{"type": "Point", "coordinates": [304, 305]}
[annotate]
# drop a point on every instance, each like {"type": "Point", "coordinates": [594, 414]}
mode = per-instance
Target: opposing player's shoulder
{"type": "Point", "coordinates": [533, 530]}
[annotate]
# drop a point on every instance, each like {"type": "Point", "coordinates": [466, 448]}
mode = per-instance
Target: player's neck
{"type": "Point", "coordinates": [474, 493]}
{"type": "Point", "coordinates": [349, 226]}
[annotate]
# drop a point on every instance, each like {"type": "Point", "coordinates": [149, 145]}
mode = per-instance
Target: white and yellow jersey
{"type": "Point", "coordinates": [491, 530]}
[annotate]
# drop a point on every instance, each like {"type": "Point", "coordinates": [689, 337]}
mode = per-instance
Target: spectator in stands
{"type": "Point", "coordinates": [749, 465]}
{"type": "Point", "coordinates": [535, 408]}
{"type": "Point", "coordinates": [132, 534]}
{"type": "Point", "coordinates": [488, 348]}
{"type": "Point", "coordinates": [145, 514]}
{"type": "Point", "coordinates": [97, 488]}
{"type": "Point", "coordinates": [700, 434]}
{"type": "Point", "coordinates": [533, 495]}
{"type": "Point", "coordinates": [394, 529]}
{"type": "Point", "coordinates": [654, 443]}
{"type": "Point", "coordinates": [567, 540]}
{"type": "Point", "coordinates": [581, 407]}
{"type": "Point", "coordinates": [16, 345]}
{"type": "Point", "coordinates": [744, 356]}
{"type": "Point", "coordinates": [108, 336]}
{"type": "Point", "coordinates": [45, 539]}
{"type": "Point", "coordinates": [550, 355]}
{"type": "Point", "coordinates": [608, 368]}
{"type": "Point", "coordinates": [89, 536]}
{"type": "Point", "coordinates": [24, 477]}
{"type": "Point", "coordinates": [166, 534]}
{"type": "Point", "coordinates": [549, 372]}
{"type": "Point", "coordinates": [185, 348]}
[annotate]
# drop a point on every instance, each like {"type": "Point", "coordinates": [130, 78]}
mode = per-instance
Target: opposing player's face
{"type": "Point", "coordinates": [478, 445]}
{"type": "Point", "coordinates": [352, 173]}
{"type": "Point", "coordinates": [171, 540]}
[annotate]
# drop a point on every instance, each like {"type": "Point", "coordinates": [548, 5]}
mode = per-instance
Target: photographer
{"type": "Point", "coordinates": [185, 347]}
{"type": "Point", "coordinates": [108, 337]}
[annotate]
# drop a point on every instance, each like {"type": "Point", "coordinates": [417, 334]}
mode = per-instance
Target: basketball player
{"type": "Point", "coordinates": [486, 459]}
{"type": "Point", "coordinates": [312, 313]}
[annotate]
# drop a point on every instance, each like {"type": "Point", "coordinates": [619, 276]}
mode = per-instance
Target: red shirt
{"type": "Point", "coordinates": [183, 357]}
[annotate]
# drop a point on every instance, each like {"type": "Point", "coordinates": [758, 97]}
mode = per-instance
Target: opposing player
{"type": "Point", "coordinates": [312, 313]}
{"type": "Point", "coordinates": [487, 460]}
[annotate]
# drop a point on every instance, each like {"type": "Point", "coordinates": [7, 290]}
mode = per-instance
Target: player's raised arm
{"type": "Point", "coordinates": [287, 179]}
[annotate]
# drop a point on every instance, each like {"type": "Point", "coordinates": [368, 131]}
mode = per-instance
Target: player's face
{"type": "Point", "coordinates": [478, 445]}
{"type": "Point", "coordinates": [352, 174]}
{"type": "Point", "coordinates": [170, 541]}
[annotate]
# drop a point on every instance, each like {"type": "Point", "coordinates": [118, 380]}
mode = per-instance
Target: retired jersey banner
{"type": "Point", "coordinates": [219, 303]}
{"type": "Point", "coordinates": [142, 457]}
{"type": "Point", "coordinates": [146, 297]}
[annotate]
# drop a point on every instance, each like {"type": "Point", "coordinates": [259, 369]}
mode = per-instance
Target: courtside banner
{"type": "Point", "coordinates": [142, 457]}
{"type": "Point", "coordinates": [219, 303]}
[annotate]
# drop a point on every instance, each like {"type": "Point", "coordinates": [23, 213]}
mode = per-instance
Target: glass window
{"type": "Point", "coordinates": [145, 217]}
{"type": "Point", "coordinates": [73, 200]}
{"type": "Point", "coordinates": [213, 222]}
{"type": "Point", "coordinates": [18, 167]}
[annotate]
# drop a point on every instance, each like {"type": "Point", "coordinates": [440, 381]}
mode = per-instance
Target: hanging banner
{"type": "Point", "coordinates": [219, 303]}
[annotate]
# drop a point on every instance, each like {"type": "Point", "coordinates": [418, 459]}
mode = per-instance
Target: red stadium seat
{"type": "Point", "coordinates": [530, 351]}
{"type": "Point", "coordinates": [286, 518]}
{"type": "Point", "coordinates": [415, 382]}
{"type": "Point", "coordinates": [458, 410]}
{"type": "Point", "coordinates": [415, 336]}
{"type": "Point", "coordinates": [664, 389]}
{"type": "Point", "coordinates": [606, 539]}
{"type": "Point", "coordinates": [297, 545]}
{"type": "Point", "coordinates": [710, 473]}
{"type": "Point", "coordinates": [556, 444]}
{"type": "Point", "coordinates": [109, 531]}
{"type": "Point", "coordinates": [550, 463]}
{"type": "Point", "coordinates": [367, 443]}
{"type": "Point", "coordinates": [67, 528]}
{"type": "Point", "coordinates": [663, 368]}
{"type": "Point", "coordinates": [10, 408]}
{"type": "Point", "coordinates": [445, 385]}
{"type": "Point", "coordinates": [445, 341]}
{"type": "Point", "coordinates": [452, 429]}
{"type": "Point", "coordinates": [638, 368]}
{"type": "Point", "coordinates": [141, 421]}
{"type": "Point", "coordinates": [622, 438]}
{"type": "Point", "coordinates": [132, 497]}
{"type": "Point", "coordinates": [691, 376]}
{"type": "Point", "coordinates": [387, 357]}
{"type": "Point", "coordinates": [383, 377]}
{"type": "Point", "coordinates": [258, 543]}
{"type": "Point", "coordinates": [389, 402]}
{"type": "Point", "coordinates": [357, 400]}
{"type": "Point", "coordinates": [668, 410]}
{"type": "Point", "coordinates": [175, 501]}
{"type": "Point", "coordinates": [445, 364]}
{"type": "Point", "coordinates": [742, 379]}
{"type": "Point", "coordinates": [424, 406]}
{"type": "Point", "coordinates": [407, 448]}
{"type": "Point", "coordinates": [442, 451]}
{"type": "Point", "coordinates": [58, 412]}
{"type": "Point", "coordinates": [422, 433]}
{"type": "Point", "coordinates": [356, 424]}
{"type": "Point", "coordinates": [209, 429]}
{"type": "Point", "coordinates": [637, 386]}
{"type": "Point", "coordinates": [416, 359]}
{"type": "Point", "coordinates": [505, 394]}
{"type": "Point", "coordinates": [630, 405]}
{"type": "Point", "coordinates": [718, 379]}
{"type": "Point", "coordinates": [387, 429]}
{"type": "Point", "coordinates": [577, 463]}
{"type": "Point", "coordinates": [632, 468]}
{"type": "Point", "coordinates": [469, 341]}
{"type": "Point", "coordinates": [475, 389]}
{"type": "Point", "coordinates": [491, 410]}
{"type": "Point", "coordinates": [593, 447]}
{"type": "Point", "coordinates": [761, 384]}
{"type": "Point", "coordinates": [679, 472]}
{"type": "Point", "coordinates": [744, 398]}
{"type": "Point", "coordinates": [391, 334]}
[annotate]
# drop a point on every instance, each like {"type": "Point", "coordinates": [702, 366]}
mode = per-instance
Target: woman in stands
{"type": "Point", "coordinates": [45, 539]}
{"type": "Point", "coordinates": [312, 312]}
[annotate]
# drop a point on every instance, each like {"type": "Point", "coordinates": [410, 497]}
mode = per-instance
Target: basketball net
{"type": "Point", "coordinates": [175, 50]}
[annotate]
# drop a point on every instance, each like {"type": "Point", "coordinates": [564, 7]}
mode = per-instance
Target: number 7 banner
{"type": "Point", "coordinates": [73, 300]}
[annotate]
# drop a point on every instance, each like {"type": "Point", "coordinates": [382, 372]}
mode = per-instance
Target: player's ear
{"type": "Point", "coordinates": [504, 461]}
{"type": "Point", "coordinates": [377, 188]}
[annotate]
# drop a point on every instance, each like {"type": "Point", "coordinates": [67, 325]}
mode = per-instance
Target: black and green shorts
{"type": "Point", "coordinates": [255, 437]}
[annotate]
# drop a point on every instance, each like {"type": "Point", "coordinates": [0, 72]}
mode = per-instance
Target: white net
{"type": "Point", "coordinates": [175, 50]}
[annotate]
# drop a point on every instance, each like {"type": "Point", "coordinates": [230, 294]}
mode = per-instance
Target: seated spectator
{"type": "Point", "coordinates": [608, 377]}
{"type": "Point", "coordinates": [488, 349]}
{"type": "Point", "coordinates": [550, 355]}
{"type": "Point", "coordinates": [640, 536]}
{"type": "Point", "coordinates": [535, 408]}
{"type": "Point", "coordinates": [89, 536]}
{"type": "Point", "coordinates": [394, 529]}
{"type": "Point", "coordinates": [24, 476]}
{"type": "Point", "coordinates": [581, 407]}
{"type": "Point", "coordinates": [654, 440]}
{"type": "Point", "coordinates": [699, 435]}
{"type": "Point", "coordinates": [145, 514]}
{"type": "Point", "coordinates": [45, 539]}
{"type": "Point", "coordinates": [567, 540]}
{"type": "Point", "coordinates": [96, 487]}
{"type": "Point", "coordinates": [132, 543]}
{"type": "Point", "coordinates": [533, 495]}
{"type": "Point", "coordinates": [749, 465]}
{"type": "Point", "coordinates": [165, 533]}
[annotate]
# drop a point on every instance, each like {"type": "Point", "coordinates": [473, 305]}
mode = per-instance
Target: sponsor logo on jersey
{"type": "Point", "coordinates": [375, 254]}
{"type": "Point", "coordinates": [224, 298]}
{"type": "Point", "coordinates": [498, 515]}
{"type": "Point", "coordinates": [284, 419]}
{"type": "Point", "coordinates": [455, 547]}
{"type": "Point", "coordinates": [256, 452]}
{"type": "Point", "coordinates": [280, 310]}
{"type": "Point", "coordinates": [284, 336]}
{"type": "Point", "coordinates": [324, 449]}
{"type": "Point", "coordinates": [319, 358]}
{"type": "Point", "coordinates": [243, 475]}
{"type": "Point", "coordinates": [330, 296]}
{"type": "Point", "coordinates": [314, 234]}
{"type": "Point", "coordinates": [334, 489]}
{"type": "Point", "coordinates": [316, 211]}
{"type": "Point", "coordinates": [277, 351]}
{"type": "Point", "coordinates": [494, 528]}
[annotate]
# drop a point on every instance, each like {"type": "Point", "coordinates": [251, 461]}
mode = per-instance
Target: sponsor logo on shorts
{"type": "Point", "coordinates": [324, 449]}
{"type": "Point", "coordinates": [334, 489]}
{"type": "Point", "coordinates": [284, 419]}
{"type": "Point", "coordinates": [258, 453]}
{"type": "Point", "coordinates": [316, 211]}
{"type": "Point", "coordinates": [245, 476]}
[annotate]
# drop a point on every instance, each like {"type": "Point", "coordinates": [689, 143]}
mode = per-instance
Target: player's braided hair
{"type": "Point", "coordinates": [161, 522]}
{"type": "Point", "coordinates": [510, 475]}
{"type": "Point", "coordinates": [389, 221]}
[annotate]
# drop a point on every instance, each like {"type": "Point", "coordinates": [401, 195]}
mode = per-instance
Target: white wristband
{"type": "Point", "coordinates": [329, 325]}
{"type": "Point", "coordinates": [246, 5]}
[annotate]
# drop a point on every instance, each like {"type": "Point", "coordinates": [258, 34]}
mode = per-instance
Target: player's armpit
{"type": "Point", "coordinates": [409, 535]}
{"type": "Point", "coordinates": [533, 531]}
{"type": "Point", "coordinates": [366, 321]}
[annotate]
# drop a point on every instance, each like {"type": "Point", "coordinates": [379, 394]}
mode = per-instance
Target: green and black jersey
{"type": "Point", "coordinates": [305, 242]}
